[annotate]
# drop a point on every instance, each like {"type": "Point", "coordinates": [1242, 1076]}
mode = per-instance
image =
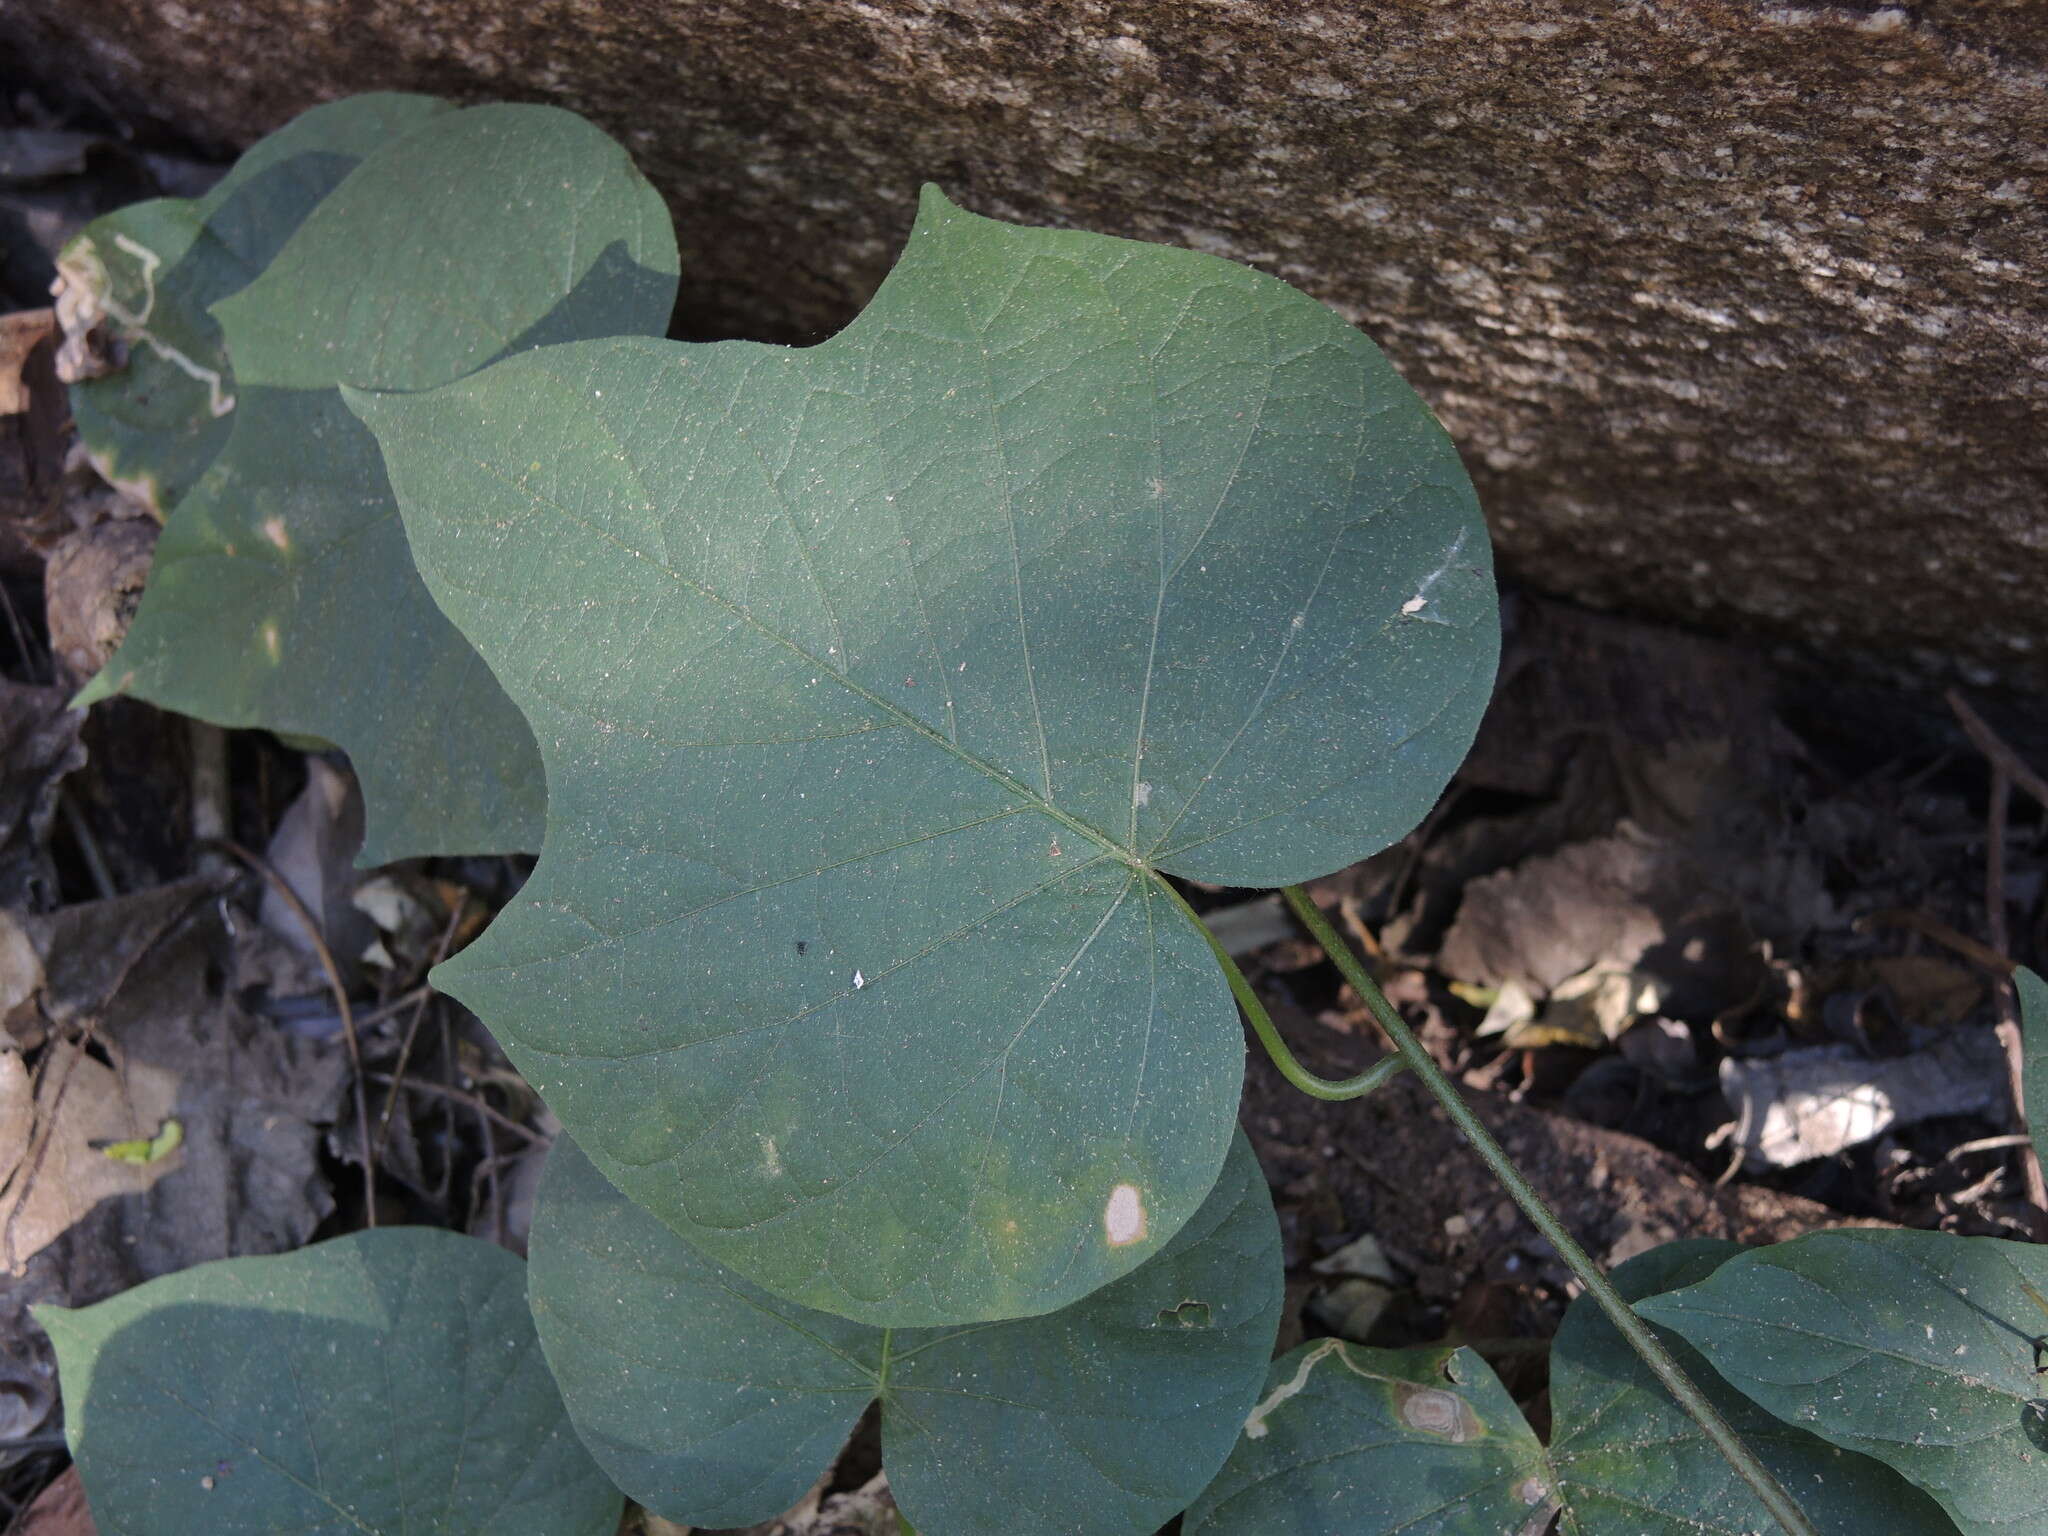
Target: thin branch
{"type": "Point", "coordinates": [2007, 769]}
{"type": "Point", "coordinates": [468, 1100]}
{"type": "Point", "coordinates": [419, 1011]}
{"type": "Point", "coordinates": [1995, 747]}
{"type": "Point", "coordinates": [311, 924]}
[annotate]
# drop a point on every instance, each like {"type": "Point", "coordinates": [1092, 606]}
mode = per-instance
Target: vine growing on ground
{"type": "Point", "coordinates": [864, 703]}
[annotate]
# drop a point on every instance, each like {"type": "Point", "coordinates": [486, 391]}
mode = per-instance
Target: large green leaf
{"type": "Point", "coordinates": [711, 1401]}
{"type": "Point", "coordinates": [283, 594]}
{"type": "Point", "coordinates": [1609, 1410]}
{"type": "Point", "coordinates": [1360, 1442]}
{"type": "Point", "coordinates": [877, 681]}
{"type": "Point", "coordinates": [151, 271]}
{"type": "Point", "coordinates": [2033, 997]}
{"type": "Point", "coordinates": [1921, 1349]}
{"type": "Point", "coordinates": [386, 1382]}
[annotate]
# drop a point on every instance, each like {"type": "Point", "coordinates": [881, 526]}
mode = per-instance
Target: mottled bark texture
{"type": "Point", "coordinates": [1737, 310]}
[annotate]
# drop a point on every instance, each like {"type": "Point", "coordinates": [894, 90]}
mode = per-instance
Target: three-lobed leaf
{"type": "Point", "coordinates": [283, 594]}
{"type": "Point", "coordinates": [879, 682]}
{"type": "Point", "coordinates": [713, 1402]}
{"type": "Point", "coordinates": [1920, 1349]}
{"type": "Point", "coordinates": [379, 1384]}
{"type": "Point", "coordinates": [1351, 1441]}
{"type": "Point", "coordinates": [151, 272]}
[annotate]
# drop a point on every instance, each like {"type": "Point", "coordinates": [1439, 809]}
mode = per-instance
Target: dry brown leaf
{"type": "Point", "coordinates": [20, 334]}
{"type": "Point", "coordinates": [60, 1510]}
{"type": "Point", "coordinates": [53, 1124]}
{"type": "Point", "coordinates": [1931, 992]}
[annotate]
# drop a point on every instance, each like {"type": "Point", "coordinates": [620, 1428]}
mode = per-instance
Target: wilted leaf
{"type": "Point", "coordinates": [1359, 1442]}
{"type": "Point", "coordinates": [150, 273]}
{"type": "Point", "coordinates": [713, 1402]}
{"type": "Point", "coordinates": [283, 594]}
{"type": "Point", "coordinates": [385, 1382]}
{"type": "Point", "coordinates": [878, 681]}
{"type": "Point", "coordinates": [1920, 1349]}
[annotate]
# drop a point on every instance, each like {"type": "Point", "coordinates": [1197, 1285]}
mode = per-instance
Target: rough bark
{"type": "Point", "coordinates": [1736, 310]}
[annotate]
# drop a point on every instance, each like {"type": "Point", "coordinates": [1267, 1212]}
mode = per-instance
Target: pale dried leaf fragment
{"type": "Point", "coordinates": [53, 1125]}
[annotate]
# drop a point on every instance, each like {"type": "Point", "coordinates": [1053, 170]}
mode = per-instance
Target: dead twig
{"type": "Point", "coordinates": [1997, 750]}
{"type": "Point", "coordinates": [88, 847]}
{"type": "Point", "coordinates": [491, 1160]}
{"type": "Point", "coordinates": [419, 1012]}
{"type": "Point", "coordinates": [2006, 770]}
{"type": "Point", "coordinates": [1993, 960]}
{"type": "Point", "coordinates": [457, 1096]}
{"type": "Point", "coordinates": [290, 898]}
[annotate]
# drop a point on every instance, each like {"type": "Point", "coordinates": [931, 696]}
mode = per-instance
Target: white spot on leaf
{"type": "Point", "coordinates": [1142, 796]}
{"type": "Point", "coordinates": [1123, 1218]}
{"type": "Point", "coordinates": [1415, 605]}
{"type": "Point", "coordinates": [273, 530]}
{"type": "Point", "coordinates": [859, 981]}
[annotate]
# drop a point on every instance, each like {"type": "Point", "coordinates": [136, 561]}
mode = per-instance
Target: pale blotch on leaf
{"type": "Point", "coordinates": [1124, 1217]}
{"type": "Point", "coordinates": [273, 530]}
{"type": "Point", "coordinates": [273, 642]}
{"type": "Point", "coordinates": [1436, 1412]}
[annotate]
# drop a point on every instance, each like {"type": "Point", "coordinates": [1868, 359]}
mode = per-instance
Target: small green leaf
{"type": "Point", "coordinates": [1350, 1441]}
{"type": "Point", "coordinates": [283, 594]}
{"type": "Point", "coordinates": [877, 683]}
{"type": "Point", "coordinates": [1356, 1442]}
{"type": "Point", "coordinates": [2033, 993]}
{"type": "Point", "coordinates": [1920, 1349]}
{"type": "Point", "coordinates": [713, 1402]}
{"type": "Point", "coordinates": [151, 271]}
{"type": "Point", "coordinates": [148, 1149]}
{"type": "Point", "coordinates": [379, 1384]}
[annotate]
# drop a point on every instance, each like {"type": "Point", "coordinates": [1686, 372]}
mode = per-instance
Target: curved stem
{"type": "Point", "coordinates": [1632, 1328]}
{"type": "Point", "coordinates": [1268, 1032]}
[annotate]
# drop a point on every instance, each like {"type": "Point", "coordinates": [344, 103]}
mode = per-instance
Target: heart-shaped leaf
{"type": "Point", "coordinates": [1357, 1442]}
{"type": "Point", "coordinates": [2033, 999]}
{"type": "Point", "coordinates": [386, 1382]}
{"type": "Point", "coordinates": [879, 681]}
{"type": "Point", "coordinates": [150, 272]}
{"type": "Point", "coordinates": [283, 594]}
{"type": "Point", "coordinates": [1921, 1349]}
{"type": "Point", "coordinates": [711, 1401]}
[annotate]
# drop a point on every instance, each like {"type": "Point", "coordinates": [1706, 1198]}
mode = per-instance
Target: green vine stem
{"type": "Point", "coordinates": [1269, 1035]}
{"type": "Point", "coordinates": [1633, 1328]}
